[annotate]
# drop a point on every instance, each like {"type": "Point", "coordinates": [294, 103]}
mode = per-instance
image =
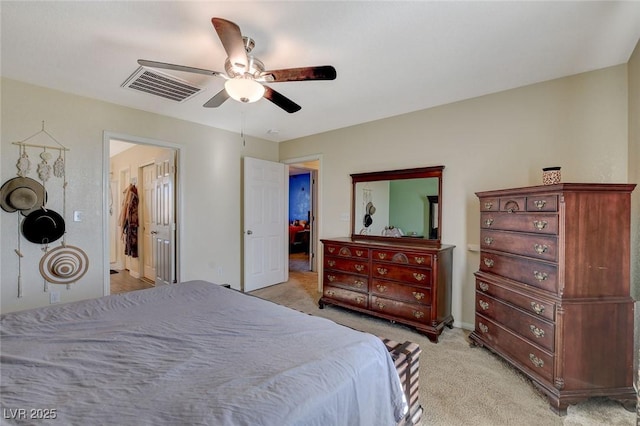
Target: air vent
{"type": "Point", "coordinates": [162, 85]}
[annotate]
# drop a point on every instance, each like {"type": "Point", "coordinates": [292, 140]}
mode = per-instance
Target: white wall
{"type": "Point", "coordinates": [211, 187]}
{"type": "Point", "coordinates": [496, 141]}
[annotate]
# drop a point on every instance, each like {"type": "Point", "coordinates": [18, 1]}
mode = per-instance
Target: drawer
{"type": "Point", "coordinates": [512, 205]}
{"type": "Point", "coordinates": [403, 257]}
{"type": "Point", "coordinates": [534, 329]}
{"type": "Point", "coordinates": [355, 282]}
{"type": "Point", "coordinates": [401, 291]}
{"type": "Point", "coordinates": [543, 247]}
{"type": "Point", "coordinates": [346, 296]}
{"type": "Point", "coordinates": [522, 353]}
{"type": "Point", "coordinates": [542, 203]}
{"type": "Point", "coordinates": [524, 222]}
{"type": "Point", "coordinates": [533, 305]}
{"type": "Point", "coordinates": [489, 204]}
{"type": "Point", "coordinates": [409, 311]}
{"type": "Point", "coordinates": [347, 265]}
{"type": "Point", "coordinates": [528, 271]}
{"type": "Point", "coordinates": [345, 251]}
{"type": "Point", "coordinates": [415, 276]}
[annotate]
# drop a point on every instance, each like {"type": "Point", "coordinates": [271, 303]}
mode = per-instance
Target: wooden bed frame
{"type": "Point", "coordinates": [406, 357]}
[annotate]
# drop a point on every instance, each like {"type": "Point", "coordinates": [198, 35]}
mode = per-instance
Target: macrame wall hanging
{"type": "Point", "coordinates": [38, 224]}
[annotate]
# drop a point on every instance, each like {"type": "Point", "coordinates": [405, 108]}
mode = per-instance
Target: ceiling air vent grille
{"type": "Point", "coordinates": [162, 85]}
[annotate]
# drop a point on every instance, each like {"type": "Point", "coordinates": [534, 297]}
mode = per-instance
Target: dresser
{"type": "Point", "coordinates": [404, 283]}
{"type": "Point", "coordinates": [553, 288]}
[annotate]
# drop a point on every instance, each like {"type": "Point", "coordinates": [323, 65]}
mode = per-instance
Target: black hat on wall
{"type": "Point", "coordinates": [43, 226]}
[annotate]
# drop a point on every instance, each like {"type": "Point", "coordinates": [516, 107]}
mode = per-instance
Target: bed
{"type": "Point", "coordinates": [194, 353]}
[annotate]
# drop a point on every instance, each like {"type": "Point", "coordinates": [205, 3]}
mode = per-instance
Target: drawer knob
{"type": "Point", "coordinates": [488, 241]}
{"type": "Point", "coordinates": [331, 278]}
{"type": "Point", "coordinates": [483, 286]}
{"type": "Point", "coordinates": [511, 206]}
{"type": "Point", "coordinates": [358, 283]}
{"type": "Point", "coordinates": [419, 260]}
{"type": "Point", "coordinates": [382, 255]}
{"type": "Point", "coordinates": [488, 222]}
{"type": "Point", "coordinates": [483, 327]}
{"type": "Point", "coordinates": [540, 224]}
{"type": "Point", "coordinates": [419, 277]}
{"type": "Point", "coordinates": [331, 262]}
{"type": "Point", "coordinates": [484, 305]}
{"type": "Point", "coordinates": [330, 293]}
{"type": "Point", "coordinates": [380, 305]}
{"type": "Point", "coordinates": [538, 332]}
{"type": "Point", "coordinates": [331, 249]}
{"type": "Point", "coordinates": [540, 276]}
{"type": "Point", "coordinates": [359, 267]}
{"type": "Point", "coordinates": [359, 300]}
{"type": "Point", "coordinates": [418, 314]}
{"type": "Point", "coordinates": [381, 288]}
{"type": "Point", "coordinates": [344, 251]}
{"type": "Point", "coordinates": [536, 361]}
{"type": "Point", "coordinates": [488, 205]}
{"type": "Point", "coordinates": [359, 253]}
{"type": "Point", "coordinates": [537, 308]}
{"type": "Point", "coordinates": [488, 262]}
{"type": "Point", "coordinates": [382, 271]}
{"type": "Point", "coordinates": [540, 248]}
{"type": "Point", "coordinates": [539, 204]}
{"type": "Point", "coordinates": [418, 295]}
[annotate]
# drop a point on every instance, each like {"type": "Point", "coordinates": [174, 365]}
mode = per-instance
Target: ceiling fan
{"type": "Point", "coordinates": [245, 74]}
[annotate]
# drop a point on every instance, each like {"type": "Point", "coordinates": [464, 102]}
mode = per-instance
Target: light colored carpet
{"type": "Point", "coordinates": [459, 384]}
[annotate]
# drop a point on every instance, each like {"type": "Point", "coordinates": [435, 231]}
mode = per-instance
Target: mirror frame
{"type": "Point", "coordinates": [416, 173]}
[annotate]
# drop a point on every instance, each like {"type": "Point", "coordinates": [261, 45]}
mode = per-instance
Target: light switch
{"type": "Point", "coordinates": [78, 216]}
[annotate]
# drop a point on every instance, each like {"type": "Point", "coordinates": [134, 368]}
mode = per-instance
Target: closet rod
{"type": "Point", "coordinates": [59, 148]}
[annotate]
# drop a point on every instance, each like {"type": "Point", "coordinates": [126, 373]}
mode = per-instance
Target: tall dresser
{"type": "Point", "coordinates": [404, 283]}
{"type": "Point", "coordinates": [553, 288]}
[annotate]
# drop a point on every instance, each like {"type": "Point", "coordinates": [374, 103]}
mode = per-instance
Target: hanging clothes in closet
{"type": "Point", "coordinates": [129, 221]}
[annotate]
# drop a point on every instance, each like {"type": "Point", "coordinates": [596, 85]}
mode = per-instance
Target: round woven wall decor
{"type": "Point", "coordinates": [64, 265]}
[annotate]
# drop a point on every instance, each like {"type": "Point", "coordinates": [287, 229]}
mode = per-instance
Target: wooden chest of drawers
{"type": "Point", "coordinates": [553, 288]}
{"type": "Point", "coordinates": [409, 284]}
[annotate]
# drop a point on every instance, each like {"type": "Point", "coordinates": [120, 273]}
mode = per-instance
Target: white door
{"type": "Point", "coordinates": [147, 206]}
{"type": "Point", "coordinates": [163, 228]}
{"type": "Point", "coordinates": [265, 225]}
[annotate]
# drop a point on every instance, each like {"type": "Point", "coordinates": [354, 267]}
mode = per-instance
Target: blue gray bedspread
{"type": "Point", "coordinates": [191, 354]}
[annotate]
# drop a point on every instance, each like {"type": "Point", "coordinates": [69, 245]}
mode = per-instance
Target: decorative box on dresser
{"type": "Point", "coordinates": [404, 283]}
{"type": "Point", "coordinates": [553, 289]}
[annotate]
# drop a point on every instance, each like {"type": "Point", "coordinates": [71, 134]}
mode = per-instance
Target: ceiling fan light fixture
{"type": "Point", "coordinates": [244, 90]}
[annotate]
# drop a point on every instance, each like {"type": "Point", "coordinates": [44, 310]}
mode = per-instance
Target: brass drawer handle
{"type": "Point", "coordinates": [488, 222]}
{"type": "Point", "coordinates": [359, 267]}
{"type": "Point", "coordinates": [419, 277]}
{"type": "Point", "coordinates": [382, 271]}
{"type": "Point", "coordinates": [483, 327]}
{"type": "Point", "coordinates": [331, 249]}
{"type": "Point", "coordinates": [536, 361]}
{"type": "Point", "coordinates": [488, 262]}
{"type": "Point", "coordinates": [382, 255]}
{"type": "Point", "coordinates": [381, 288]}
{"type": "Point", "coordinates": [488, 205]}
{"type": "Point", "coordinates": [538, 332]}
{"type": "Point", "coordinates": [331, 278]}
{"type": "Point", "coordinates": [358, 283]}
{"type": "Point", "coordinates": [359, 253]}
{"type": "Point", "coordinates": [488, 241]}
{"type": "Point", "coordinates": [540, 276]}
{"type": "Point", "coordinates": [419, 260]}
{"type": "Point", "coordinates": [418, 295]}
{"type": "Point", "coordinates": [330, 293]}
{"type": "Point", "coordinates": [540, 204]}
{"type": "Point", "coordinates": [418, 314]}
{"type": "Point", "coordinates": [359, 300]}
{"type": "Point", "coordinates": [380, 305]}
{"type": "Point", "coordinates": [331, 262]}
{"type": "Point", "coordinates": [537, 308]}
{"type": "Point", "coordinates": [540, 248]}
{"type": "Point", "coordinates": [483, 286]}
{"type": "Point", "coordinates": [540, 224]}
{"type": "Point", "coordinates": [484, 305]}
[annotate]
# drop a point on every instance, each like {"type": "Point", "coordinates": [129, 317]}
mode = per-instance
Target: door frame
{"type": "Point", "coordinates": [107, 136]}
{"type": "Point", "coordinates": [317, 209]}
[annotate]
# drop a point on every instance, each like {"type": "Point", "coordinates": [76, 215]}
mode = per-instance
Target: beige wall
{"type": "Point", "coordinates": [210, 185]}
{"type": "Point", "coordinates": [496, 141]}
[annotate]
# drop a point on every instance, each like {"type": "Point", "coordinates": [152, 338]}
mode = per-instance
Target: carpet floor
{"type": "Point", "coordinates": [459, 384]}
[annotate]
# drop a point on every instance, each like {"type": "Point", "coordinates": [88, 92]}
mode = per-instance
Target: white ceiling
{"type": "Point", "coordinates": [391, 57]}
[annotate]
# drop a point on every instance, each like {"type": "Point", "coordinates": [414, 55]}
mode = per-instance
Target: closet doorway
{"type": "Point", "coordinates": [142, 192]}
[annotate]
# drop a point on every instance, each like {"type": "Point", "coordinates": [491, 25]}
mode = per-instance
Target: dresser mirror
{"type": "Point", "coordinates": [402, 204]}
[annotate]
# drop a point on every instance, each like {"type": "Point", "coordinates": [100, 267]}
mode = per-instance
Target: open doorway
{"type": "Point", "coordinates": [302, 215]}
{"type": "Point", "coordinates": [142, 215]}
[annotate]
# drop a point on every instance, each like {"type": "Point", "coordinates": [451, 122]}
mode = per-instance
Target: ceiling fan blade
{"type": "Point", "coordinates": [281, 100]}
{"type": "Point", "coordinates": [217, 100]}
{"type": "Point", "coordinates": [231, 38]}
{"type": "Point", "coordinates": [163, 65]}
{"type": "Point", "coordinates": [324, 72]}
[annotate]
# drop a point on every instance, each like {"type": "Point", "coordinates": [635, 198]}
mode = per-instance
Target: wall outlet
{"type": "Point", "coordinates": [54, 297]}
